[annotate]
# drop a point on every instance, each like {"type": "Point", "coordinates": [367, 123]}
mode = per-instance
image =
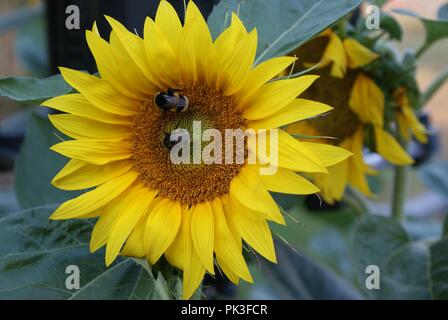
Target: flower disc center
{"type": "Point", "coordinates": [188, 183]}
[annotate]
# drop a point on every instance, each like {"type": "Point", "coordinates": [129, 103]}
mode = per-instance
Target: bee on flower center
{"type": "Point", "coordinates": [171, 100]}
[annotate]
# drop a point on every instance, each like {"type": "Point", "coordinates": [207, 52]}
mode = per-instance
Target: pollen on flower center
{"type": "Point", "coordinates": [186, 183]}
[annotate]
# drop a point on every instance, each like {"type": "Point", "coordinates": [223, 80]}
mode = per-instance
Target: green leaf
{"type": "Point", "coordinates": [36, 165]}
{"type": "Point", "coordinates": [296, 276]}
{"type": "Point", "coordinates": [31, 90]}
{"type": "Point", "coordinates": [35, 252]}
{"type": "Point", "coordinates": [435, 29]}
{"type": "Point", "coordinates": [378, 3]}
{"type": "Point", "coordinates": [445, 227]}
{"type": "Point", "coordinates": [391, 26]}
{"type": "Point", "coordinates": [439, 269]}
{"type": "Point", "coordinates": [282, 25]}
{"type": "Point", "coordinates": [375, 238]}
{"type": "Point", "coordinates": [435, 85]}
{"type": "Point", "coordinates": [408, 270]}
{"type": "Point", "coordinates": [435, 176]}
{"type": "Point", "coordinates": [381, 241]}
{"type": "Point", "coordinates": [404, 274]}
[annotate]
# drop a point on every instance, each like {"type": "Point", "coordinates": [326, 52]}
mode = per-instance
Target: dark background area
{"type": "Point", "coordinates": [68, 47]}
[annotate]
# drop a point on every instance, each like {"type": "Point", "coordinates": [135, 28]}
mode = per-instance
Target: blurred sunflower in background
{"type": "Point", "coordinates": [192, 214]}
{"type": "Point", "coordinates": [358, 118]}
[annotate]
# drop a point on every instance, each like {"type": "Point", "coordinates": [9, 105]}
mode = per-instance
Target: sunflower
{"type": "Point", "coordinates": [408, 123]}
{"type": "Point", "coordinates": [193, 215]}
{"type": "Point", "coordinates": [357, 119]}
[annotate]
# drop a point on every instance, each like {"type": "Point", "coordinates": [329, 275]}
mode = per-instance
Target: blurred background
{"type": "Point", "coordinates": [34, 42]}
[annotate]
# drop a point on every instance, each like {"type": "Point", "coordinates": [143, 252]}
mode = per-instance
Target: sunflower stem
{"type": "Point", "coordinates": [399, 195]}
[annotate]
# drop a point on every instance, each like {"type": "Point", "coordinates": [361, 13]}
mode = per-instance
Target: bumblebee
{"type": "Point", "coordinates": [171, 100]}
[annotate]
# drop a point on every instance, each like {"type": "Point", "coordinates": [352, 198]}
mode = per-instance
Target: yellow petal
{"type": "Point", "coordinates": [357, 54]}
{"type": "Point", "coordinates": [202, 234]}
{"type": "Point", "coordinates": [334, 53]}
{"type": "Point", "coordinates": [132, 74]}
{"type": "Point", "coordinates": [328, 154]}
{"type": "Point", "coordinates": [367, 100]}
{"type": "Point", "coordinates": [124, 224]}
{"type": "Point", "coordinates": [299, 109]}
{"type": "Point", "coordinates": [82, 128]}
{"type": "Point", "coordinates": [161, 228]}
{"type": "Point", "coordinates": [286, 181]}
{"type": "Point", "coordinates": [133, 45]}
{"type": "Point", "coordinates": [110, 69]}
{"type": "Point", "coordinates": [333, 184]}
{"type": "Point", "coordinates": [239, 64]}
{"type": "Point", "coordinates": [134, 244]}
{"type": "Point", "coordinates": [248, 189]}
{"type": "Point", "coordinates": [292, 154]}
{"type": "Point", "coordinates": [106, 220]}
{"type": "Point", "coordinates": [273, 96]}
{"type": "Point", "coordinates": [357, 174]}
{"type": "Point", "coordinates": [174, 254]}
{"type": "Point", "coordinates": [260, 74]}
{"type": "Point", "coordinates": [232, 276]}
{"type": "Point", "coordinates": [193, 269]}
{"type": "Point", "coordinates": [95, 199]}
{"type": "Point", "coordinates": [78, 105]}
{"type": "Point", "coordinates": [168, 22]}
{"type": "Point", "coordinates": [226, 248]}
{"type": "Point", "coordinates": [411, 122]}
{"type": "Point", "coordinates": [390, 149]}
{"type": "Point", "coordinates": [257, 234]}
{"type": "Point", "coordinates": [94, 151]}
{"type": "Point", "coordinates": [158, 48]}
{"type": "Point", "coordinates": [100, 93]}
{"type": "Point", "coordinates": [195, 42]}
{"type": "Point", "coordinates": [79, 175]}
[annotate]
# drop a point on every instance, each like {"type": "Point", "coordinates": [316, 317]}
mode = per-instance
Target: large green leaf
{"type": "Point", "coordinates": [439, 269]}
{"type": "Point", "coordinates": [375, 239]}
{"type": "Point", "coordinates": [282, 25]}
{"type": "Point", "coordinates": [36, 165]}
{"type": "Point", "coordinates": [435, 176]}
{"type": "Point", "coordinates": [435, 29]}
{"type": "Point", "coordinates": [35, 252]}
{"type": "Point", "coordinates": [32, 90]}
{"type": "Point", "coordinates": [408, 270]}
{"type": "Point", "coordinates": [296, 276]}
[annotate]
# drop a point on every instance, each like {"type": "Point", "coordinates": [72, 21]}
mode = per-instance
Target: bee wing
{"type": "Point", "coordinates": [175, 102]}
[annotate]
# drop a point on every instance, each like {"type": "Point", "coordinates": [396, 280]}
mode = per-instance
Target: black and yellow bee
{"type": "Point", "coordinates": [171, 100]}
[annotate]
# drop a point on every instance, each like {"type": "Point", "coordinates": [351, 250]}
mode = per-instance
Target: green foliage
{"type": "Point", "coordinates": [31, 90]}
{"type": "Point", "coordinates": [282, 25]}
{"type": "Point", "coordinates": [435, 176]}
{"type": "Point", "coordinates": [296, 276]}
{"type": "Point", "coordinates": [435, 85]}
{"type": "Point", "coordinates": [36, 165]}
{"type": "Point", "coordinates": [403, 263]}
{"type": "Point", "coordinates": [379, 3]}
{"type": "Point", "coordinates": [389, 24]}
{"type": "Point", "coordinates": [435, 30]}
{"type": "Point", "coordinates": [36, 252]}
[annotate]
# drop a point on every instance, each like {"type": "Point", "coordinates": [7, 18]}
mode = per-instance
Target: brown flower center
{"type": "Point", "coordinates": [189, 183]}
{"type": "Point", "coordinates": [341, 122]}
